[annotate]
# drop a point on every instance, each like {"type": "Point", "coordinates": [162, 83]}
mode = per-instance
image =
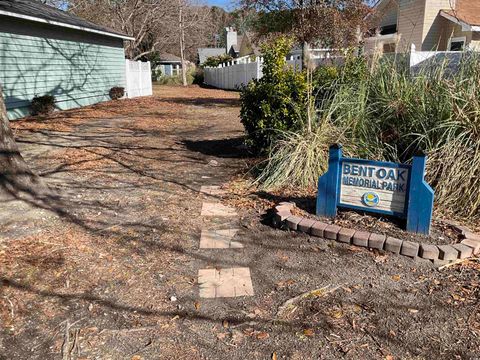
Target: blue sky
{"type": "Point", "coordinates": [223, 3]}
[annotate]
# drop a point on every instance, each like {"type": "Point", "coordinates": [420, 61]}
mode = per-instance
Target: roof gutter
{"type": "Point", "coordinates": [58, 23]}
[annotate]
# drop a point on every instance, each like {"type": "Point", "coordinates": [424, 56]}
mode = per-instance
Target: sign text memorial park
{"type": "Point", "coordinates": [386, 188]}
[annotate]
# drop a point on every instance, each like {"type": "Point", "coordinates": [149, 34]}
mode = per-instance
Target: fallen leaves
{"type": "Point", "coordinates": [284, 284]}
{"type": "Point", "coordinates": [336, 314]}
{"type": "Point", "coordinates": [221, 336]}
{"type": "Point", "coordinates": [457, 297]}
{"type": "Point", "coordinates": [308, 332]}
{"type": "Point", "coordinates": [263, 335]}
{"type": "Point", "coordinates": [380, 259]}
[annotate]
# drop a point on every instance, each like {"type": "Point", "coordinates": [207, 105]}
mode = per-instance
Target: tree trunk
{"type": "Point", "coordinates": [182, 49]}
{"type": "Point", "coordinates": [16, 179]}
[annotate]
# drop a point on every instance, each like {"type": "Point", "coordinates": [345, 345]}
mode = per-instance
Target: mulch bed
{"type": "Point", "coordinates": [244, 195]}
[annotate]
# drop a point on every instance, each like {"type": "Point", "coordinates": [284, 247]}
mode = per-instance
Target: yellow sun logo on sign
{"type": "Point", "coordinates": [370, 199]}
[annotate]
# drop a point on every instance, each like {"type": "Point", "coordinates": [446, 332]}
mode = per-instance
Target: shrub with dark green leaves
{"type": "Point", "coordinates": [214, 61]}
{"type": "Point", "coordinates": [198, 76]}
{"type": "Point", "coordinates": [323, 80]}
{"type": "Point", "coordinates": [277, 102]}
{"type": "Point", "coordinates": [43, 105]}
{"type": "Point", "coordinates": [116, 92]}
{"type": "Point", "coordinates": [327, 78]}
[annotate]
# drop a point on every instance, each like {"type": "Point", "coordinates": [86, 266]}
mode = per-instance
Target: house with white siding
{"type": "Point", "coordinates": [428, 25]}
{"type": "Point", "coordinates": [44, 50]}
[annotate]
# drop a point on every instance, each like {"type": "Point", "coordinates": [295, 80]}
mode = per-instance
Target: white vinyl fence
{"type": "Point", "coordinates": [429, 60]}
{"type": "Point", "coordinates": [234, 74]}
{"type": "Point", "coordinates": [138, 77]}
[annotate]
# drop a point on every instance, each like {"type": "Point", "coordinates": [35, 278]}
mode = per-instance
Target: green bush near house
{"type": "Point", "coordinates": [198, 76]}
{"type": "Point", "coordinates": [116, 92]}
{"type": "Point", "coordinates": [276, 102]}
{"type": "Point", "coordinates": [214, 61]}
{"type": "Point", "coordinates": [43, 105]}
{"type": "Point", "coordinates": [192, 77]}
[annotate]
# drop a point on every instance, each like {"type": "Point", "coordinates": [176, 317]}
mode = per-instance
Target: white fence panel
{"type": "Point", "coordinates": [428, 60]}
{"type": "Point", "coordinates": [233, 76]}
{"type": "Point", "coordinates": [138, 79]}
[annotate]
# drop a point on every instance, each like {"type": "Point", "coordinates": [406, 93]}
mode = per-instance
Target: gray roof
{"type": "Point", "coordinates": [205, 53]}
{"type": "Point", "coordinates": [167, 57]}
{"type": "Point", "coordinates": [37, 11]}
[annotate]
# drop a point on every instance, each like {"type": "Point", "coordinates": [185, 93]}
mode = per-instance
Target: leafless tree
{"type": "Point", "coordinates": [145, 20]}
{"type": "Point", "coordinates": [192, 24]}
{"type": "Point", "coordinates": [330, 23]}
{"type": "Point", "coordinates": [176, 26]}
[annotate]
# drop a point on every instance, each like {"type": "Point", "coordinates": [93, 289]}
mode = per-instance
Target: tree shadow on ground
{"type": "Point", "coordinates": [206, 102]}
{"type": "Point", "coordinates": [224, 148]}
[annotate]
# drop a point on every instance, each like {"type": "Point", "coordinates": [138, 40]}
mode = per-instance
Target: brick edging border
{"type": "Point", "coordinates": [439, 255]}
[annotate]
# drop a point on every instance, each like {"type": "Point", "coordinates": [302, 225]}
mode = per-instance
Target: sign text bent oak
{"type": "Point", "coordinates": [381, 187]}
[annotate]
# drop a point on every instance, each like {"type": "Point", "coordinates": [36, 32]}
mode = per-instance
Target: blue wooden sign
{"type": "Point", "coordinates": [388, 188]}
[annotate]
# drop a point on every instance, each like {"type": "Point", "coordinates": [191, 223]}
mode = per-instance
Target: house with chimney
{"type": "Point", "coordinates": [235, 45]}
{"type": "Point", "coordinates": [424, 25]}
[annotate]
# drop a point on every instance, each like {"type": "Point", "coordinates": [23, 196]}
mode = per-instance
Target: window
{"type": "Point", "coordinates": [389, 48]}
{"type": "Point", "coordinates": [388, 29]}
{"type": "Point", "coordinates": [457, 44]}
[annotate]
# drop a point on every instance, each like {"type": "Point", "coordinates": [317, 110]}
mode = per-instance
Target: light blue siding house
{"type": "Point", "coordinates": [44, 50]}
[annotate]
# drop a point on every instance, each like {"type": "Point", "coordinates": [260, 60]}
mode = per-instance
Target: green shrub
{"type": "Point", "coordinates": [192, 75]}
{"type": "Point", "coordinates": [214, 61]}
{"type": "Point", "coordinates": [116, 92]}
{"type": "Point", "coordinates": [325, 76]}
{"type": "Point", "coordinates": [169, 80]}
{"type": "Point", "coordinates": [198, 76]}
{"type": "Point", "coordinates": [277, 101]}
{"type": "Point", "coordinates": [43, 105]}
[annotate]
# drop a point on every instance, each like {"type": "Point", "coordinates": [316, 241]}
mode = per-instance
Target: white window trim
{"type": "Point", "coordinates": [385, 38]}
{"type": "Point", "coordinates": [457, 39]}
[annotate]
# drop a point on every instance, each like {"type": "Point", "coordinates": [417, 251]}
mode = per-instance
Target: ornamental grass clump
{"type": "Point", "coordinates": [391, 114]}
{"type": "Point", "coordinates": [297, 158]}
{"type": "Point", "coordinates": [436, 111]}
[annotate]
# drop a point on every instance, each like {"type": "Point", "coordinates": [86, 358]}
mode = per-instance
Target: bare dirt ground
{"type": "Point", "coordinates": [91, 274]}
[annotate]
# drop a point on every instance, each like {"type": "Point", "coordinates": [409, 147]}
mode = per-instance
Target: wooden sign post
{"type": "Point", "coordinates": [380, 187]}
